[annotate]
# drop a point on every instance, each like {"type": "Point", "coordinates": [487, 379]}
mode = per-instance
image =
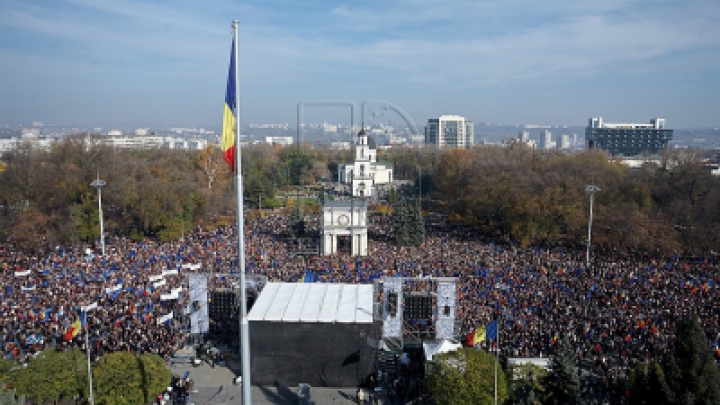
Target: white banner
{"type": "Point", "coordinates": [170, 272]}
{"type": "Point", "coordinates": [113, 289]}
{"type": "Point", "coordinates": [166, 297]}
{"type": "Point", "coordinates": [28, 288]}
{"type": "Point", "coordinates": [191, 266]}
{"type": "Point", "coordinates": [156, 278]}
{"type": "Point", "coordinates": [159, 283]}
{"type": "Point", "coordinates": [89, 307]}
{"type": "Point", "coordinates": [22, 273]}
{"type": "Point", "coordinates": [165, 318]}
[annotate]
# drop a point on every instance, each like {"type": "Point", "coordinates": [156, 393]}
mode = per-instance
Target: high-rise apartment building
{"type": "Point", "coordinates": [450, 131]}
{"type": "Point", "coordinates": [546, 141]}
{"type": "Point", "coordinates": [564, 141]}
{"type": "Point", "coordinates": [627, 138]}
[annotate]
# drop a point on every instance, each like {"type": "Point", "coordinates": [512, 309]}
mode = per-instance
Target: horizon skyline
{"type": "Point", "coordinates": [135, 63]}
{"type": "Point", "coordinates": [293, 125]}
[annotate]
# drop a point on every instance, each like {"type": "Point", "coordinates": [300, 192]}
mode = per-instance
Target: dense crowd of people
{"type": "Point", "coordinates": [618, 311]}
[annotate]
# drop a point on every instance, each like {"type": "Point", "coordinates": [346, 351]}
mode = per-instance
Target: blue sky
{"type": "Point", "coordinates": [551, 62]}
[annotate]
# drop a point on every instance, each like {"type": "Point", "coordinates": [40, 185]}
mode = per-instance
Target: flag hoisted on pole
{"type": "Point", "coordinates": [230, 110]}
{"type": "Point", "coordinates": [231, 151]}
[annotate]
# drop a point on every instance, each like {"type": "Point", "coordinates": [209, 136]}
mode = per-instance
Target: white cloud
{"type": "Point", "coordinates": [570, 47]}
{"type": "Point", "coordinates": [573, 37]}
{"type": "Point", "coordinates": [366, 47]}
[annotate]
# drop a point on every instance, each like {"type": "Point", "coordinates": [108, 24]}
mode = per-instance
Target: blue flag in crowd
{"type": "Point", "coordinates": [491, 330]}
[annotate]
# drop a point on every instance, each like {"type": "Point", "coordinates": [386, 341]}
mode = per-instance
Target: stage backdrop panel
{"type": "Point", "coordinates": [199, 319]}
{"type": "Point", "coordinates": [314, 333]}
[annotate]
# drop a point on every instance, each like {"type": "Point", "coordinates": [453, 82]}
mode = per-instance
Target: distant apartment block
{"type": "Point", "coordinates": [115, 141]}
{"type": "Point", "coordinates": [451, 131]}
{"type": "Point", "coordinates": [546, 141]}
{"type": "Point", "coordinates": [564, 141]}
{"type": "Point", "coordinates": [152, 142]}
{"type": "Point", "coordinates": [524, 137]}
{"type": "Point", "coordinates": [340, 145]}
{"type": "Point", "coordinates": [627, 138]}
{"type": "Point", "coordinates": [8, 144]}
{"type": "Point", "coordinates": [280, 140]}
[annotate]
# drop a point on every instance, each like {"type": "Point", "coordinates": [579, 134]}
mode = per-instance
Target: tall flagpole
{"type": "Point", "coordinates": [85, 310]}
{"type": "Point", "coordinates": [87, 349]}
{"type": "Point", "coordinates": [244, 333]}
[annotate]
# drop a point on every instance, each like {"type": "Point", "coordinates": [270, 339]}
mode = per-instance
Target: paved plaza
{"type": "Point", "coordinates": [214, 386]}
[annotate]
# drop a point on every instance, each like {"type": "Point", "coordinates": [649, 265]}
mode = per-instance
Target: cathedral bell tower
{"type": "Point", "coordinates": [362, 178]}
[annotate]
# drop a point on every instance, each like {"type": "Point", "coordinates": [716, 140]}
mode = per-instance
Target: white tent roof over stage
{"type": "Point", "coordinates": [443, 346]}
{"type": "Point", "coordinates": [314, 302]}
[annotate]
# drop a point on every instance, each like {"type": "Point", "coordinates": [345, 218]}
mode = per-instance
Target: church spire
{"type": "Point", "coordinates": [362, 137]}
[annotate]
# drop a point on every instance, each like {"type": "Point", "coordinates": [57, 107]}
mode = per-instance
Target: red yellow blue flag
{"type": "Point", "coordinates": [229, 114]}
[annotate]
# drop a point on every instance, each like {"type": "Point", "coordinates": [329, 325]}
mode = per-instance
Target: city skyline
{"type": "Point", "coordinates": [129, 62]}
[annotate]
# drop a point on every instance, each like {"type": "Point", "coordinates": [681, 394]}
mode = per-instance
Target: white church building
{"type": "Point", "coordinates": [365, 172]}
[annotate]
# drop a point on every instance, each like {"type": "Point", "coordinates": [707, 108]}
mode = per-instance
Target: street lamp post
{"type": "Point", "coordinates": [419, 187]}
{"type": "Point", "coordinates": [497, 354]}
{"type": "Point", "coordinates": [85, 311]}
{"type": "Point", "coordinates": [502, 287]}
{"type": "Point", "coordinates": [352, 212]}
{"type": "Point", "coordinates": [99, 184]}
{"type": "Point", "coordinates": [591, 190]}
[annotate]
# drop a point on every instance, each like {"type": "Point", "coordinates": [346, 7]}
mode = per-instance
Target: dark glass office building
{"type": "Point", "coordinates": [628, 139]}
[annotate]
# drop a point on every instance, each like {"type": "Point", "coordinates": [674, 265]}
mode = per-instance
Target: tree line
{"type": "Point", "coordinates": [119, 378]}
{"type": "Point", "coordinates": [512, 192]}
{"type": "Point", "coordinates": [534, 197]}
{"type": "Point", "coordinates": [688, 374]}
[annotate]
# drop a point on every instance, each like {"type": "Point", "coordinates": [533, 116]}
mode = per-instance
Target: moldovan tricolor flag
{"type": "Point", "coordinates": [476, 336]}
{"type": "Point", "coordinates": [73, 331]}
{"type": "Point", "coordinates": [229, 115]}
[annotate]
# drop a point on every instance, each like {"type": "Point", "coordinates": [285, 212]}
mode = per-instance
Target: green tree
{"type": "Point", "coordinates": [526, 384]}
{"type": "Point", "coordinates": [118, 380]}
{"type": "Point", "coordinates": [691, 372]}
{"type": "Point", "coordinates": [297, 223]}
{"type": "Point", "coordinates": [465, 377]}
{"type": "Point", "coordinates": [5, 366]}
{"type": "Point", "coordinates": [52, 376]}
{"type": "Point", "coordinates": [416, 224]}
{"type": "Point", "coordinates": [393, 197]}
{"type": "Point", "coordinates": [408, 224]}
{"type": "Point", "coordinates": [401, 224]}
{"type": "Point", "coordinates": [297, 161]}
{"type": "Point", "coordinates": [563, 382]}
{"type": "Point", "coordinates": [646, 385]}
{"type": "Point", "coordinates": [156, 377]}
